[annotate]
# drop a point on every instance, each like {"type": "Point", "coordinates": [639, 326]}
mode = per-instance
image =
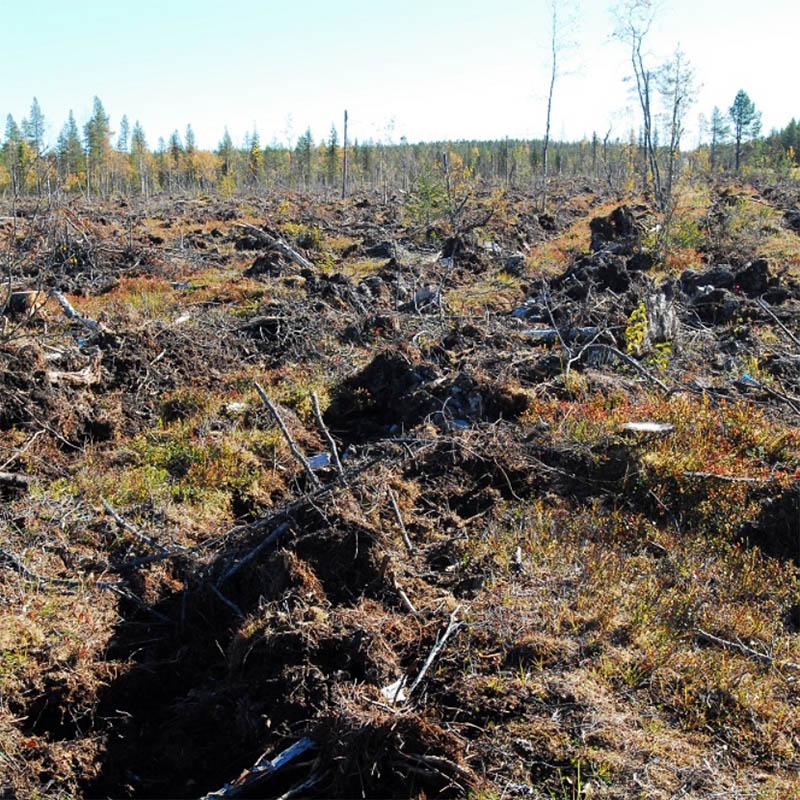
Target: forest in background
{"type": "Point", "coordinates": [99, 161]}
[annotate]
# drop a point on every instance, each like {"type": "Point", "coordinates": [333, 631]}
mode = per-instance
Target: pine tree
{"type": "Point", "coordinates": [746, 121]}
{"type": "Point", "coordinates": [190, 143]}
{"type": "Point", "coordinates": [123, 141]}
{"type": "Point", "coordinates": [332, 157]}
{"type": "Point", "coordinates": [70, 153]}
{"type": "Point", "coordinates": [139, 155]}
{"type": "Point", "coordinates": [97, 135]}
{"type": "Point", "coordinates": [12, 153]}
{"type": "Point", "coordinates": [225, 152]}
{"type": "Point", "coordinates": [255, 160]}
{"type": "Point", "coordinates": [35, 127]}
{"type": "Point", "coordinates": [305, 151]}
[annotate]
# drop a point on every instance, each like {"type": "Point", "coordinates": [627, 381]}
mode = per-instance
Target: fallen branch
{"type": "Point", "coordinates": [403, 531]}
{"type": "Point", "coordinates": [22, 450]}
{"type": "Point", "coordinates": [326, 433]}
{"type": "Point", "coordinates": [726, 478]}
{"type": "Point", "coordinates": [231, 605]}
{"type": "Point", "coordinates": [278, 244]}
{"type": "Point", "coordinates": [739, 647]}
{"type": "Point", "coordinates": [453, 626]}
{"type": "Point", "coordinates": [774, 316]}
{"type": "Point", "coordinates": [71, 313]}
{"type": "Point", "coordinates": [256, 525]}
{"type": "Point", "coordinates": [253, 553]}
{"type": "Point", "coordinates": [15, 479]}
{"type": "Point", "coordinates": [125, 525]}
{"type": "Point", "coordinates": [263, 768]}
{"type": "Point", "coordinates": [301, 459]}
{"type": "Point", "coordinates": [636, 365]}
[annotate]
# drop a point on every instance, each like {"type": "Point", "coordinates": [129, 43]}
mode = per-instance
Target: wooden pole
{"type": "Point", "coordinates": [344, 159]}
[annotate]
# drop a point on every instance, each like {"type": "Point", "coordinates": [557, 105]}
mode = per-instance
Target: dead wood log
{"type": "Point", "coordinates": [278, 244]}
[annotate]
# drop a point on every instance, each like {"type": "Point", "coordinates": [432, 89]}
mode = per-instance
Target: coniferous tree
{"type": "Point", "coordinates": [332, 157]}
{"type": "Point", "coordinates": [139, 156]}
{"type": "Point", "coordinates": [225, 152]}
{"type": "Point", "coordinates": [123, 142]}
{"type": "Point", "coordinates": [720, 131]}
{"type": "Point", "coordinates": [34, 127]}
{"type": "Point", "coordinates": [255, 160]}
{"type": "Point", "coordinates": [70, 154]}
{"type": "Point", "coordinates": [305, 154]}
{"type": "Point", "coordinates": [746, 121]}
{"type": "Point", "coordinates": [97, 135]}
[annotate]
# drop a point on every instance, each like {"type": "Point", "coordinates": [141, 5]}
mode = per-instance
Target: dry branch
{"type": "Point", "coordinates": [278, 244]}
{"type": "Point", "coordinates": [71, 313]}
{"type": "Point", "coordinates": [739, 647]}
{"type": "Point", "coordinates": [453, 626]}
{"type": "Point", "coordinates": [263, 768]}
{"type": "Point", "coordinates": [635, 364]}
{"type": "Point", "coordinates": [404, 532]}
{"type": "Point", "coordinates": [15, 479]}
{"type": "Point", "coordinates": [326, 433]}
{"type": "Point", "coordinates": [301, 459]}
{"type": "Point", "coordinates": [253, 553]}
{"type": "Point", "coordinates": [125, 525]}
{"type": "Point", "coordinates": [726, 478]}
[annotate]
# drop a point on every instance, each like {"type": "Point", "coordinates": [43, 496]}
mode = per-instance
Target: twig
{"type": "Point", "coordinates": [636, 365]}
{"type": "Point", "coordinates": [288, 436]}
{"type": "Point", "coordinates": [128, 595]}
{"type": "Point", "coordinates": [403, 531]}
{"type": "Point", "coordinates": [739, 647]}
{"type": "Point", "coordinates": [727, 478]}
{"type": "Point", "coordinates": [257, 524]}
{"type": "Point", "coordinates": [125, 525]}
{"type": "Point", "coordinates": [22, 449]}
{"type": "Point", "coordinates": [253, 553]}
{"type": "Point", "coordinates": [453, 626]}
{"type": "Point", "coordinates": [236, 610]}
{"type": "Point", "coordinates": [404, 598]}
{"type": "Point", "coordinates": [326, 433]}
{"type": "Point", "coordinates": [774, 316]}
{"type": "Point", "coordinates": [263, 768]}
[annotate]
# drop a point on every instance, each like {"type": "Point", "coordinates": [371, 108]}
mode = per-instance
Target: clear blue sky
{"type": "Point", "coordinates": [437, 68]}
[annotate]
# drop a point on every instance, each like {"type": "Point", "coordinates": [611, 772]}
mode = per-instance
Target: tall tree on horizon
{"type": "Point", "coordinates": [746, 121]}
{"type": "Point", "coordinates": [97, 135]}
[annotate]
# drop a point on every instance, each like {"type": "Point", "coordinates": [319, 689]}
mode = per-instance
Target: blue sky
{"type": "Point", "coordinates": [426, 69]}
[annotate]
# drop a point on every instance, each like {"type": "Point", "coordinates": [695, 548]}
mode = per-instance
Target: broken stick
{"type": "Point", "coordinates": [326, 433]}
{"type": "Point", "coordinates": [301, 459]}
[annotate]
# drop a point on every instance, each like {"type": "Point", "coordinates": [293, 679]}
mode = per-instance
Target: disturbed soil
{"type": "Point", "coordinates": [307, 498]}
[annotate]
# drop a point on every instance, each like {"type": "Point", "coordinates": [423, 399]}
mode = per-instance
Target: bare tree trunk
{"type": "Point", "coordinates": [344, 159]}
{"type": "Point", "coordinates": [554, 51]}
{"type": "Point", "coordinates": [643, 77]}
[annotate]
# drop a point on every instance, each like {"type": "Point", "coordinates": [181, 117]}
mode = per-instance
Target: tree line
{"type": "Point", "coordinates": [96, 161]}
